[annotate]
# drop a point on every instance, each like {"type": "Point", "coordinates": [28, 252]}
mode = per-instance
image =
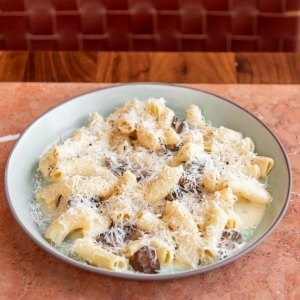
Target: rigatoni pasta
{"type": "Point", "coordinates": [142, 191]}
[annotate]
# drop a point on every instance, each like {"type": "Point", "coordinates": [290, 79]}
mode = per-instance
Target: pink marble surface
{"type": "Point", "coordinates": [271, 271]}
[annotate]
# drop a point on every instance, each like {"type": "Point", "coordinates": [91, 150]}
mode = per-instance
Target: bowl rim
{"type": "Point", "coordinates": [140, 276]}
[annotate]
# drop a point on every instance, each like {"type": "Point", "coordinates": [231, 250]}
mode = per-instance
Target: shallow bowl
{"type": "Point", "coordinates": [72, 114]}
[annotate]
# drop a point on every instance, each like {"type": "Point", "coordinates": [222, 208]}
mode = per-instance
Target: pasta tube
{"type": "Point", "coordinates": [68, 221]}
{"type": "Point", "coordinates": [97, 256]}
{"type": "Point", "coordinates": [99, 128]}
{"type": "Point", "coordinates": [193, 137]}
{"type": "Point", "coordinates": [215, 226]}
{"type": "Point", "coordinates": [120, 202]}
{"type": "Point", "coordinates": [195, 120]}
{"type": "Point", "coordinates": [126, 126]}
{"type": "Point", "coordinates": [170, 137]}
{"type": "Point", "coordinates": [48, 196]}
{"type": "Point", "coordinates": [147, 221]}
{"type": "Point", "coordinates": [210, 180]}
{"type": "Point", "coordinates": [166, 118]}
{"type": "Point", "coordinates": [188, 250]}
{"type": "Point", "coordinates": [120, 142]}
{"type": "Point", "coordinates": [178, 217]}
{"type": "Point", "coordinates": [164, 252]}
{"type": "Point", "coordinates": [150, 138]}
{"type": "Point", "coordinates": [130, 106]}
{"type": "Point", "coordinates": [161, 186]}
{"type": "Point", "coordinates": [45, 165]}
{"type": "Point", "coordinates": [224, 133]}
{"type": "Point", "coordinates": [156, 106]}
{"type": "Point", "coordinates": [72, 167]}
{"type": "Point", "coordinates": [187, 152]}
{"type": "Point", "coordinates": [265, 164]}
{"type": "Point", "coordinates": [252, 171]}
{"type": "Point", "coordinates": [125, 184]}
{"type": "Point", "coordinates": [96, 185]}
{"type": "Point", "coordinates": [250, 190]}
{"type": "Point", "coordinates": [71, 147]}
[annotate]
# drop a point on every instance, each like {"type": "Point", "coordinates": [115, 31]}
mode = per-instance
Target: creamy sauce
{"type": "Point", "coordinates": [250, 213]}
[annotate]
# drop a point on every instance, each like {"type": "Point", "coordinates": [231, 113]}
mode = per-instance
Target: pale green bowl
{"type": "Point", "coordinates": [70, 115]}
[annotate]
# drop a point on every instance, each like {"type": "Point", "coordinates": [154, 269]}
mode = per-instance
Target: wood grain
{"type": "Point", "coordinates": [180, 67]}
{"type": "Point", "coordinates": [12, 65]}
{"type": "Point", "coordinates": [191, 67]}
{"type": "Point", "coordinates": [266, 68]}
{"type": "Point", "coordinates": [169, 67]}
{"type": "Point", "coordinates": [61, 67]}
{"type": "Point", "coordinates": [123, 66]}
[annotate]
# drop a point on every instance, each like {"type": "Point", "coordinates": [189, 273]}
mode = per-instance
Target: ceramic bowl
{"type": "Point", "coordinates": [72, 114]}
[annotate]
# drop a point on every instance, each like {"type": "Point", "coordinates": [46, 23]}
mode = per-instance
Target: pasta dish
{"type": "Point", "coordinates": [142, 191]}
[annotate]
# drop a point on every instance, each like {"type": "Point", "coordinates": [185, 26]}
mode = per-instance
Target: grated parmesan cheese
{"type": "Point", "coordinates": [223, 153]}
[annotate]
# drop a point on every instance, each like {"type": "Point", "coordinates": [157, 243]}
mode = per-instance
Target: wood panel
{"type": "Point", "coordinates": [123, 67]}
{"type": "Point", "coordinates": [61, 67]}
{"type": "Point", "coordinates": [12, 65]}
{"type": "Point", "coordinates": [266, 68]}
{"type": "Point", "coordinates": [169, 67]}
{"type": "Point", "coordinates": [180, 67]}
{"type": "Point", "coordinates": [191, 67]}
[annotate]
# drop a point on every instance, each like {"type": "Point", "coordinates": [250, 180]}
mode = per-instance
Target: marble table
{"type": "Point", "coordinates": [270, 271]}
